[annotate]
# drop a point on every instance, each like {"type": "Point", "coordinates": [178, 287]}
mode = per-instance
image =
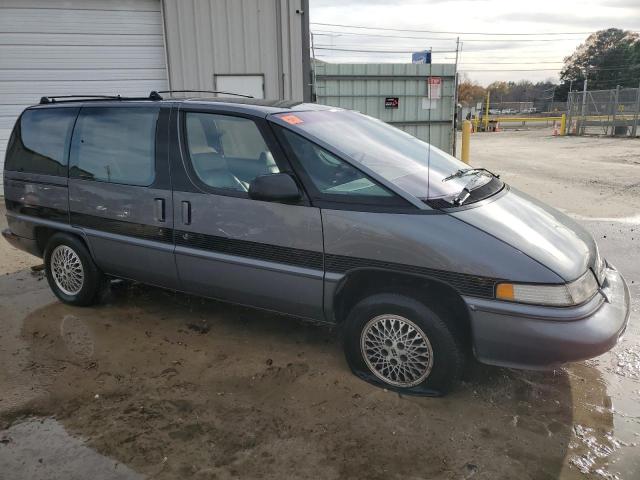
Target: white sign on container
{"type": "Point", "coordinates": [434, 90]}
{"type": "Point", "coordinates": [429, 103]}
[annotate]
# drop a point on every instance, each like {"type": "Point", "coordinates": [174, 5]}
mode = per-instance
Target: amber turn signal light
{"type": "Point", "coordinates": [504, 291]}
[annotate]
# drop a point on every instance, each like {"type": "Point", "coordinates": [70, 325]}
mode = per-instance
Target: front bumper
{"type": "Point", "coordinates": [529, 336]}
{"type": "Point", "coordinates": [28, 245]}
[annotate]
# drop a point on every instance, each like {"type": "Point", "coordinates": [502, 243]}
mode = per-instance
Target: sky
{"type": "Point", "coordinates": [559, 27]}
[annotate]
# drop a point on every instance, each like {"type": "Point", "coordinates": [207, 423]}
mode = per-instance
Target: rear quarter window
{"type": "Point", "coordinates": [115, 144]}
{"type": "Point", "coordinates": [40, 141]}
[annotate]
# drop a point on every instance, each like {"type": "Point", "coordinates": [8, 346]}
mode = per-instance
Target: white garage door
{"type": "Point", "coordinates": [63, 47]}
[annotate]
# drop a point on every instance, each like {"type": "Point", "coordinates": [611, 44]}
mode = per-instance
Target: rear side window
{"type": "Point", "coordinates": [40, 141]}
{"type": "Point", "coordinates": [115, 144]}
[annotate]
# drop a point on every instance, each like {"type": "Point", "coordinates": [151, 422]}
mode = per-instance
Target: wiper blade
{"type": "Point", "coordinates": [461, 197]}
{"type": "Point", "coordinates": [460, 173]}
{"type": "Point", "coordinates": [468, 171]}
{"type": "Point", "coordinates": [465, 193]}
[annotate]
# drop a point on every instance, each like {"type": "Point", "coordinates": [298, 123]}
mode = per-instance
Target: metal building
{"type": "Point", "coordinates": [417, 98]}
{"type": "Point", "coordinates": [130, 47]}
{"type": "Point", "coordinates": [259, 47]}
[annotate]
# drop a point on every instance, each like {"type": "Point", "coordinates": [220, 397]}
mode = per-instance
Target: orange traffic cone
{"type": "Point", "coordinates": [555, 129]}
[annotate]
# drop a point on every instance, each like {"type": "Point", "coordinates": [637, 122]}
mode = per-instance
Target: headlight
{"type": "Point", "coordinates": [574, 293]}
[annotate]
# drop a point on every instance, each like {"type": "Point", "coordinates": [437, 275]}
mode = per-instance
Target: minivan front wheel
{"type": "Point", "coordinates": [72, 275]}
{"type": "Point", "coordinates": [397, 342]}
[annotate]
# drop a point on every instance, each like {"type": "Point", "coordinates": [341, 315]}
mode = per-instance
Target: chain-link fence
{"type": "Point", "coordinates": [604, 112]}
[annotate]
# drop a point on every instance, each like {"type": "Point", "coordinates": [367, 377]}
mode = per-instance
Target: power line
{"type": "Point", "coordinates": [542, 54]}
{"type": "Point", "coordinates": [378, 51]}
{"type": "Point", "coordinates": [508, 63]}
{"type": "Point", "coordinates": [327, 47]}
{"type": "Point", "coordinates": [539, 70]}
{"type": "Point", "coordinates": [395, 45]}
{"type": "Point", "coordinates": [326, 33]}
{"type": "Point", "coordinates": [443, 31]}
{"type": "Point", "coordinates": [514, 70]}
{"type": "Point", "coordinates": [473, 40]}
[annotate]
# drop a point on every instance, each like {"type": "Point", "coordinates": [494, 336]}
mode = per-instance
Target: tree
{"type": "Point", "coordinates": [498, 91]}
{"type": "Point", "coordinates": [470, 93]}
{"type": "Point", "coordinates": [607, 58]}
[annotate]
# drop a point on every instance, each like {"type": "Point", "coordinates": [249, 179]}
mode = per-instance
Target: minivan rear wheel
{"type": "Point", "coordinates": [398, 342]}
{"type": "Point", "coordinates": [72, 275]}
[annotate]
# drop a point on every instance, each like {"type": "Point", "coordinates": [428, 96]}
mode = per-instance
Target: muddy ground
{"type": "Point", "coordinates": [162, 385]}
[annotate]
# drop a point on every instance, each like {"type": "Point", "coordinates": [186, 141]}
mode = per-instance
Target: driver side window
{"type": "Point", "coordinates": [227, 152]}
{"type": "Point", "coordinates": [329, 174]}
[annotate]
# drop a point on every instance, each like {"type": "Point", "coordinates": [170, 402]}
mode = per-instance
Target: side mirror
{"type": "Point", "coordinates": [275, 187]}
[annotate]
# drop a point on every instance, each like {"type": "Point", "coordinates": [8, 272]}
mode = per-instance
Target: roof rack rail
{"type": "Point", "coordinates": [70, 98]}
{"type": "Point", "coordinates": [203, 91]}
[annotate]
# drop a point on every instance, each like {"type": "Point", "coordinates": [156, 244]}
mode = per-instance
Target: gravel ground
{"type": "Point", "coordinates": [157, 384]}
{"type": "Point", "coordinates": [587, 176]}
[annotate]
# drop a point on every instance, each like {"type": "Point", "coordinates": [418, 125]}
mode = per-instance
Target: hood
{"type": "Point", "coordinates": [537, 230]}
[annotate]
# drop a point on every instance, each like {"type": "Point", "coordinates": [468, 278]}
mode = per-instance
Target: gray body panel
{"type": "Point", "coordinates": [527, 336]}
{"type": "Point", "coordinates": [539, 231]}
{"type": "Point", "coordinates": [239, 278]}
{"type": "Point", "coordinates": [434, 241]}
{"type": "Point", "coordinates": [43, 196]}
{"type": "Point", "coordinates": [113, 216]}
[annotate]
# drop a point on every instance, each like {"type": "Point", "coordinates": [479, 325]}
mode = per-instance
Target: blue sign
{"type": "Point", "coordinates": [421, 57]}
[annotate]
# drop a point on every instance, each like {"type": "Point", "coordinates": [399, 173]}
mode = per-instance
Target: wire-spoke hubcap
{"type": "Point", "coordinates": [396, 350]}
{"type": "Point", "coordinates": [67, 270]}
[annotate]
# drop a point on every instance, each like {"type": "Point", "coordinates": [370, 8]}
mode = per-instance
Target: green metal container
{"type": "Point", "coordinates": [395, 93]}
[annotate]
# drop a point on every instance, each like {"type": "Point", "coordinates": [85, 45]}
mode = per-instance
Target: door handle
{"type": "Point", "coordinates": [159, 209]}
{"type": "Point", "coordinates": [186, 212]}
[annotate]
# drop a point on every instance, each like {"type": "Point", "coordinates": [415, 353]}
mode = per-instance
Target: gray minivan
{"type": "Point", "coordinates": [315, 212]}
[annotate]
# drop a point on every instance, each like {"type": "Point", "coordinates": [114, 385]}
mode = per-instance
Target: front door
{"type": "Point", "coordinates": [229, 246]}
{"type": "Point", "coordinates": [119, 191]}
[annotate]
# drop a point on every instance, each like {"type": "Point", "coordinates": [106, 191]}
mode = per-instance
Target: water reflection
{"type": "Point", "coordinates": [41, 449]}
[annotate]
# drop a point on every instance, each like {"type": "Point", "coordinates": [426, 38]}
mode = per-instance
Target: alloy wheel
{"type": "Point", "coordinates": [67, 270]}
{"type": "Point", "coordinates": [396, 350]}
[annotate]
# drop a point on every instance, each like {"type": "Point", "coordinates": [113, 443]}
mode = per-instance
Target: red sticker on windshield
{"type": "Point", "coordinates": [292, 119]}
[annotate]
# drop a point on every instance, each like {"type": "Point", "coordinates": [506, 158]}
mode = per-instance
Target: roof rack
{"type": "Point", "coordinates": [204, 91]}
{"type": "Point", "coordinates": [70, 98]}
{"type": "Point", "coordinates": [153, 95]}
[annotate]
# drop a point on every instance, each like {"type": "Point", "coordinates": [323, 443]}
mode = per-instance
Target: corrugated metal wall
{"type": "Point", "coordinates": [364, 87]}
{"type": "Point", "coordinates": [213, 37]}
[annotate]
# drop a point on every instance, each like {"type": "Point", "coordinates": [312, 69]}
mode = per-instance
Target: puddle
{"type": "Point", "coordinates": [628, 364]}
{"type": "Point", "coordinates": [77, 336]}
{"type": "Point", "coordinates": [37, 449]}
{"type": "Point", "coordinates": [598, 450]}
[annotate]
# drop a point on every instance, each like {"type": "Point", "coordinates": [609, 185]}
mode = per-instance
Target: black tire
{"type": "Point", "coordinates": [92, 281]}
{"type": "Point", "coordinates": [448, 356]}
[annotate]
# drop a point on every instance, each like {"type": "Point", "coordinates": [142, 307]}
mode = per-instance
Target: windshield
{"type": "Point", "coordinates": [413, 165]}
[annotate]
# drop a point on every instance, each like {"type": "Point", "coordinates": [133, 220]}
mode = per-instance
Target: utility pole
{"type": "Point", "coordinates": [455, 99]}
{"type": "Point", "coordinates": [314, 95]}
{"type": "Point", "coordinates": [569, 106]}
{"type": "Point", "coordinates": [457, 50]}
{"type": "Point", "coordinates": [584, 104]}
{"type": "Point", "coordinates": [614, 108]}
{"type": "Point", "coordinates": [486, 112]}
